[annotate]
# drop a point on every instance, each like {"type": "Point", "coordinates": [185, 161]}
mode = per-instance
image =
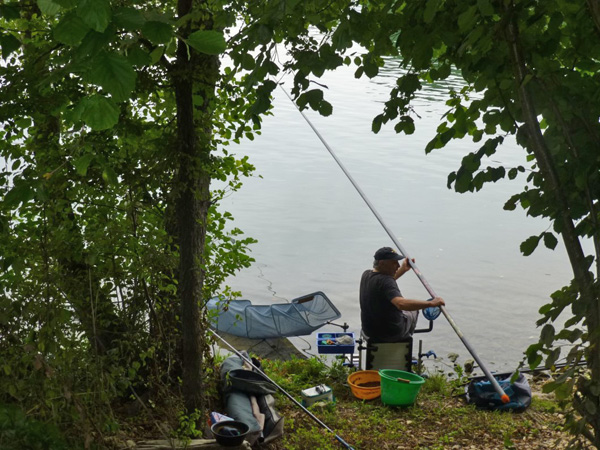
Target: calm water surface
{"type": "Point", "coordinates": [315, 233]}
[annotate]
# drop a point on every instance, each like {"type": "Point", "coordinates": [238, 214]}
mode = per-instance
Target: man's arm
{"type": "Point", "coordinates": [407, 304]}
{"type": "Point", "coordinates": [404, 267]}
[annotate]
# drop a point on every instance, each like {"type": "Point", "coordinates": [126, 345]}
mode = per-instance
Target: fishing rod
{"type": "Point", "coordinates": [283, 391]}
{"type": "Point", "coordinates": [505, 398]}
{"type": "Point", "coordinates": [536, 370]}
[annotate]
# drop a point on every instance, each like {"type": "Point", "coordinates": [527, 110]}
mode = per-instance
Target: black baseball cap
{"type": "Point", "coordinates": [387, 253]}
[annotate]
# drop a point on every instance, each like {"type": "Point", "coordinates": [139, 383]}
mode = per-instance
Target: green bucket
{"type": "Point", "coordinates": [399, 388]}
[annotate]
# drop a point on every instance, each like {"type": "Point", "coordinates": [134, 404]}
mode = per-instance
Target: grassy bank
{"type": "Point", "coordinates": [438, 420]}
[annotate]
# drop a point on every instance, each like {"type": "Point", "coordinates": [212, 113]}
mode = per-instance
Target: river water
{"type": "Point", "coordinates": [315, 233]}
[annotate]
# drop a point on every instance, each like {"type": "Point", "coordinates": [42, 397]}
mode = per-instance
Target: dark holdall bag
{"type": "Point", "coordinates": [239, 385]}
{"type": "Point", "coordinates": [482, 394]}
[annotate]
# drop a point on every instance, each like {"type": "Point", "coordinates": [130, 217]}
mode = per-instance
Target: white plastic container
{"type": "Point", "coordinates": [320, 393]}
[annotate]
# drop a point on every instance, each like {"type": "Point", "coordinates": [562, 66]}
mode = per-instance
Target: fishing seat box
{"type": "Point", "coordinates": [385, 355]}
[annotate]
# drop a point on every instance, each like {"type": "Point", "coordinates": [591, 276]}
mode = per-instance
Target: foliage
{"type": "Point", "coordinates": [188, 425]}
{"type": "Point", "coordinates": [298, 373]}
{"type": "Point", "coordinates": [115, 118]}
{"type": "Point", "coordinates": [438, 383]}
{"type": "Point", "coordinates": [18, 432]}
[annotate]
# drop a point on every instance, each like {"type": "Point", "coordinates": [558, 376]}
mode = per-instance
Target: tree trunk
{"type": "Point", "coordinates": [194, 75]}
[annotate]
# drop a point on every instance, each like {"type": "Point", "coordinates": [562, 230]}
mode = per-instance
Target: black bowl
{"type": "Point", "coordinates": [230, 433]}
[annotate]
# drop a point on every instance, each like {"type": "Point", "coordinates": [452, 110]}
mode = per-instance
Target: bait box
{"type": "Point", "coordinates": [323, 347]}
{"type": "Point", "coordinates": [321, 393]}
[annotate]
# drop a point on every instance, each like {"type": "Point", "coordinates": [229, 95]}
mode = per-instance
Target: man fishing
{"type": "Point", "coordinates": [385, 314]}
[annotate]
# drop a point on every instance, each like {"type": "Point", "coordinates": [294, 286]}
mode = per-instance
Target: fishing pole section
{"type": "Point", "coordinates": [505, 398]}
{"type": "Point", "coordinates": [283, 391]}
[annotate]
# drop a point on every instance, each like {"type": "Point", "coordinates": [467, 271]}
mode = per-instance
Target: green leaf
{"type": "Point", "coordinates": [115, 74]}
{"type": "Point", "coordinates": [67, 4]}
{"type": "Point", "coordinates": [312, 98]}
{"type": "Point", "coordinates": [463, 181]}
{"type": "Point", "coordinates": [467, 19]}
{"type": "Point", "coordinates": [10, 12]}
{"type": "Point", "coordinates": [526, 79]}
{"type": "Point", "coordinates": [431, 9]}
{"type": "Point", "coordinates": [207, 41]}
{"type": "Point", "coordinates": [248, 62]}
{"type": "Point", "coordinates": [99, 112]}
{"type": "Point", "coordinates": [70, 30]}
{"type": "Point", "coordinates": [48, 7]}
{"type": "Point", "coordinates": [534, 360]}
{"type": "Point", "coordinates": [553, 357]}
{"type": "Point", "coordinates": [9, 44]}
{"type": "Point", "coordinates": [139, 57]}
{"type": "Point", "coordinates": [20, 193]}
{"type": "Point", "coordinates": [341, 38]}
{"type": "Point", "coordinates": [110, 176]}
{"type": "Point", "coordinates": [264, 34]}
{"type": "Point", "coordinates": [471, 162]}
{"type": "Point", "coordinates": [157, 32]}
{"type": "Point", "coordinates": [377, 122]}
{"type": "Point", "coordinates": [485, 7]}
{"type": "Point", "coordinates": [590, 407]}
{"type": "Point", "coordinates": [529, 245]}
{"type": "Point", "coordinates": [511, 203]}
{"type": "Point", "coordinates": [550, 240]}
{"type": "Point", "coordinates": [371, 68]}
{"type": "Point", "coordinates": [325, 108]}
{"type": "Point", "coordinates": [93, 43]}
{"type": "Point", "coordinates": [156, 54]}
{"type": "Point", "coordinates": [82, 163]}
{"type": "Point", "coordinates": [95, 13]}
{"type": "Point", "coordinates": [547, 335]}
{"type": "Point", "coordinates": [129, 18]}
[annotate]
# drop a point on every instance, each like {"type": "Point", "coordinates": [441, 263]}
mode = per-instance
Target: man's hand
{"type": "Point", "coordinates": [437, 301]}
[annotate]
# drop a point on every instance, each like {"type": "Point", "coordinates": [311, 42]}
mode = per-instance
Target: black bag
{"type": "Point", "coordinates": [482, 394]}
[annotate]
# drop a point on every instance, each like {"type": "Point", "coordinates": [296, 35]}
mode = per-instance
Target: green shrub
{"type": "Point", "coordinates": [18, 432]}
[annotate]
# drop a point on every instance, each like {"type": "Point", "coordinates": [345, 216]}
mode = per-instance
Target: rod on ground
{"type": "Point", "coordinates": [505, 398]}
{"type": "Point", "coordinates": [283, 391]}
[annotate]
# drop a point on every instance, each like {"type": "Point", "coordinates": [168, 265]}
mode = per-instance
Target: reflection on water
{"type": "Point", "coordinates": [316, 234]}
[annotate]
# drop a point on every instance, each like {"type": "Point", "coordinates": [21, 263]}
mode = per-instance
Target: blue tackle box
{"type": "Point", "coordinates": [335, 342]}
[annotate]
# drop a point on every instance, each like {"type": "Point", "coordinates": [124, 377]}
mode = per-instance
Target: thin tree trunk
{"type": "Point", "coordinates": [195, 75]}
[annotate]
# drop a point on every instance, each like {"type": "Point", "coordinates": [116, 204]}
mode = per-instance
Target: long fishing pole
{"type": "Point", "coordinates": [505, 398]}
{"type": "Point", "coordinates": [283, 391]}
{"type": "Point", "coordinates": [536, 370]}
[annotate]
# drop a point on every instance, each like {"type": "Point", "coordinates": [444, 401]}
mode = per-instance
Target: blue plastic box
{"type": "Point", "coordinates": [336, 348]}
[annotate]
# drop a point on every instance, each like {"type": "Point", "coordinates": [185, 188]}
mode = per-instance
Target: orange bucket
{"type": "Point", "coordinates": [365, 384]}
